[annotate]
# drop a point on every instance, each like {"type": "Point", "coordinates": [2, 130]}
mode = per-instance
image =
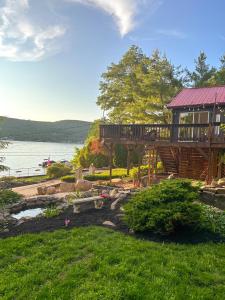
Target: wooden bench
{"type": "Point", "coordinates": [98, 202]}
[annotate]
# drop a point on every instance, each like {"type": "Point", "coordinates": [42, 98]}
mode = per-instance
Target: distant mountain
{"type": "Point", "coordinates": [67, 131]}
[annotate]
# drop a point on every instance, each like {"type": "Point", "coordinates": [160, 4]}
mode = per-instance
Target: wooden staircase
{"type": "Point", "coordinates": [169, 159]}
{"type": "Point", "coordinates": [186, 162]}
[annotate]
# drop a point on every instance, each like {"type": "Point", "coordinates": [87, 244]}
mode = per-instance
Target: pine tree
{"type": "Point", "coordinates": [203, 72]}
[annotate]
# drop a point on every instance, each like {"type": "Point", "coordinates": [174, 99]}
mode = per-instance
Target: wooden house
{"type": "Point", "coordinates": [191, 146]}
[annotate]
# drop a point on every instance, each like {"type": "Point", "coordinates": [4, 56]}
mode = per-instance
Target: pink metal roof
{"type": "Point", "coordinates": [199, 96]}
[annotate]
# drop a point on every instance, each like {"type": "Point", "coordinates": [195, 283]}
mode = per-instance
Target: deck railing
{"type": "Point", "coordinates": [164, 132]}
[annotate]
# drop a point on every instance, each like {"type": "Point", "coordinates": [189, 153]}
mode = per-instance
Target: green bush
{"type": "Point", "coordinates": [165, 208]}
{"type": "Point", "coordinates": [8, 197]}
{"type": "Point", "coordinates": [144, 170]}
{"type": "Point", "coordinates": [116, 173]}
{"type": "Point", "coordinates": [214, 220]}
{"type": "Point", "coordinates": [58, 170]}
{"type": "Point", "coordinates": [51, 212]}
{"type": "Point", "coordinates": [8, 178]}
{"type": "Point", "coordinates": [68, 178]}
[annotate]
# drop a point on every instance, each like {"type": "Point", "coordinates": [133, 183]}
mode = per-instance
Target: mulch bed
{"type": "Point", "coordinates": [87, 217]}
{"type": "Point", "coordinates": [90, 216]}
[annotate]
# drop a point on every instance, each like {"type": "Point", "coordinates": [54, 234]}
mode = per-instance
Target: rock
{"type": "Point", "coordinates": [221, 182]}
{"type": "Point", "coordinates": [171, 176]}
{"type": "Point", "coordinates": [220, 190]}
{"type": "Point", "coordinates": [117, 180]}
{"type": "Point", "coordinates": [213, 183]}
{"type": "Point", "coordinates": [109, 223]}
{"type": "Point", "coordinates": [66, 187]}
{"type": "Point", "coordinates": [51, 190]}
{"type": "Point", "coordinates": [113, 193]}
{"type": "Point", "coordinates": [41, 190]}
{"type": "Point", "coordinates": [87, 194]}
{"type": "Point", "coordinates": [83, 185]}
{"type": "Point", "coordinates": [116, 202]}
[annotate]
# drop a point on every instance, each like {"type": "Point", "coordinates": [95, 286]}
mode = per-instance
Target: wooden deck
{"type": "Point", "coordinates": [185, 135]}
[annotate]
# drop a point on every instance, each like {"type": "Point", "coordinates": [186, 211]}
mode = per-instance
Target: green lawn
{"type": "Point", "coordinates": [97, 263]}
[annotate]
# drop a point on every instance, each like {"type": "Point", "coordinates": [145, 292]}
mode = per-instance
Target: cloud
{"type": "Point", "coordinates": [21, 39]}
{"type": "Point", "coordinates": [171, 33]}
{"type": "Point", "coordinates": [27, 34]}
{"type": "Point", "coordinates": [123, 11]}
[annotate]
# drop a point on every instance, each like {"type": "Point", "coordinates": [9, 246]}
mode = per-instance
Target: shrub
{"type": "Point", "coordinates": [143, 172]}
{"type": "Point", "coordinates": [57, 170]}
{"type": "Point", "coordinates": [8, 197]}
{"type": "Point", "coordinates": [51, 212]}
{"type": "Point", "coordinates": [165, 208]}
{"type": "Point", "coordinates": [214, 221]}
{"type": "Point", "coordinates": [116, 173]}
{"type": "Point", "coordinates": [68, 178]}
{"type": "Point", "coordinates": [8, 178]}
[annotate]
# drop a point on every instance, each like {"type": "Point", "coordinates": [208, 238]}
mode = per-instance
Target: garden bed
{"type": "Point", "coordinates": [90, 216]}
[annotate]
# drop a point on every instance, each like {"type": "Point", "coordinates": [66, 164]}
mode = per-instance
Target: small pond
{"type": "Point", "coordinates": [32, 213]}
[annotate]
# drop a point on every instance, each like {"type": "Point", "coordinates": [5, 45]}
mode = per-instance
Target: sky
{"type": "Point", "coordinates": [53, 52]}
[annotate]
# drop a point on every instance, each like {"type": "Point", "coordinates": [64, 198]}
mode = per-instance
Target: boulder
{"type": "Point", "coordinates": [213, 183]}
{"type": "Point", "coordinates": [41, 190]}
{"type": "Point", "coordinates": [220, 191]}
{"type": "Point", "coordinates": [83, 185]}
{"type": "Point", "coordinates": [113, 193]}
{"type": "Point", "coordinates": [109, 223]}
{"type": "Point", "coordinates": [221, 182]}
{"type": "Point", "coordinates": [171, 176]}
{"type": "Point", "coordinates": [51, 190]}
{"type": "Point", "coordinates": [66, 187]}
{"type": "Point", "coordinates": [117, 180]}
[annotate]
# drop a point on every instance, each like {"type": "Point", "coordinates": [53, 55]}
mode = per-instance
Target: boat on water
{"type": "Point", "coordinates": [48, 162]}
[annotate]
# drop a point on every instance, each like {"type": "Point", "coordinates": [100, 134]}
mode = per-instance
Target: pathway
{"type": "Point", "coordinates": [31, 190]}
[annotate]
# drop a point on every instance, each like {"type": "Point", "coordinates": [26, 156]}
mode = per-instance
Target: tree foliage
{"type": "Point", "coordinates": [138, 88]}
{"type": "Point", "coordinates": [203, 72]}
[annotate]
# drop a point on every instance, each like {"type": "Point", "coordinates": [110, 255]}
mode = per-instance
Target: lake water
{"type": "Point", "coordinates": [23, 158]}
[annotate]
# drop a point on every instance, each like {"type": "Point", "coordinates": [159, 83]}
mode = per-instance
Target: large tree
{"type": "Point", "coordinates": [138, 88]}
{"type": "Point", "coordinates": [219, 76]}
{"type": "Point", "coordinates": [203, 72]}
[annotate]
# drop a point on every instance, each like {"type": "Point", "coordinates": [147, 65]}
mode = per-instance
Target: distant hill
{"type": "Point", "coordinates": [67, 131]}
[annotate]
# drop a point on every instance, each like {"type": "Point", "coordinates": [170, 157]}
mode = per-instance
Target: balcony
{"type": "Point", "coordinates": [204, 134]}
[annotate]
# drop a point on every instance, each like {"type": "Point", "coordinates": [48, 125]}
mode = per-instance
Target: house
{"type": "Point", "coordinates": [191, 146]}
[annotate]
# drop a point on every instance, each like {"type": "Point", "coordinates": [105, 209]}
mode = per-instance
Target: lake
{"type": "Point", "coordinates": [23, 158]}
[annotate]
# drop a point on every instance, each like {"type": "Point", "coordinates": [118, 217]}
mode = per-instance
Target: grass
{"type": "Point", "coordinates": [34, 179]}
{"type": "Point", "coordinates": [97, 263]}
{"type": "Point", "coordinates": [25, 180]}
{"type": "Point", "coordinates": [116, 173]}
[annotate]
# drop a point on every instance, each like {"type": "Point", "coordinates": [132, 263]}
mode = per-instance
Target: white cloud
{"type": "Point", "coordinates": [20, 38]}
{"type": "Point", "coordinates": [172, 33]}
{"type": "Point", "coordinates": [24, 37]}
{"type": "Point", "coordinates": [123, 11]}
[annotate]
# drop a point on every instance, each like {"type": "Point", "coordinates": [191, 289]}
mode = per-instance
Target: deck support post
{"type": "Point", "coordinates": [110, 161]}
{"type": "Point", "coordinates": [128, 160]}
